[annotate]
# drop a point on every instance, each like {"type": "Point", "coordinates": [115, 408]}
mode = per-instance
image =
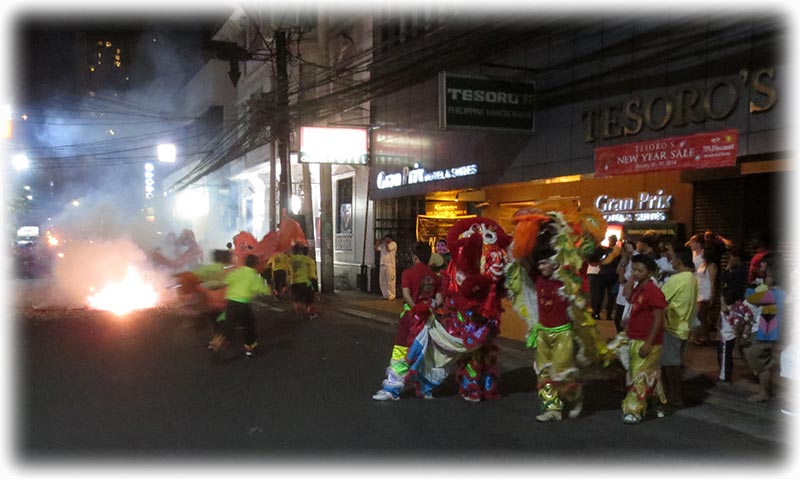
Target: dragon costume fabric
{"type": "Point", "coordinates": [288, 233]}
{"type": "Point", "coordinates": [191, 283]}
{"type": "Point", "coordinates": [461, 332]}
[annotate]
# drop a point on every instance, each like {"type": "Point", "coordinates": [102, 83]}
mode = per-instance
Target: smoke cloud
{"type": "Point", "coordinates": [99, 244]}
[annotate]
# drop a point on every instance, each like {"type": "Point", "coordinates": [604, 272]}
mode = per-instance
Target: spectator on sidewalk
{"type": "Point", "coordinates": [664, 263]}
{"type": "Point", "coordinates": [607, 278]}
{"type": "Point", "coordinates": [593, 279]}
{"type": "Point", "coordinates": [706, 274]}
{"type": "Point", "coordinates": [422, 293]}
{"type": "Point", "coordinates": [441, 249]}
{"type": "Point", "coordinates": [645, 333]}
{"type": "Point", "coordinates": [680, 292]}
{"type": "Point", "coordinates": [625, 283]}
{"type": "Point", "coordinates": [388, 272]}
{"type": "Point", "coordinates": [755, 275]}
{"type": "Point", "coordinates": [763, 353]}
{"type": "Point", "coordinates": [732, 311]}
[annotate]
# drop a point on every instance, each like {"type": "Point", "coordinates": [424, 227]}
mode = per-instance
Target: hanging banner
{"type": "Point", "coordinates": [704, 150]}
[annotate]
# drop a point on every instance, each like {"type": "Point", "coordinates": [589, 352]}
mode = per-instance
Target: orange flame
{"type": "Point", "coordinates": [121, 298]}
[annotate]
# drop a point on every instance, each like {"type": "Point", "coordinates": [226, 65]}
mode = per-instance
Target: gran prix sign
{"type": "Point", "coordinates": [644, 207]}
{"type": "Point", "coordinates": [704, 150]}
{"type": "Point", "coordinates": [421, 175]}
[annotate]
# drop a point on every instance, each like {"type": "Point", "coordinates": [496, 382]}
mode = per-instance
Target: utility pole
{"type": "Point", "coordinates": [325, 190]}
{"type": "Point", "coordinates": [326, 216]}
{"type": "Point", "coordinates": [282, 127]}
{"type": "Point", "coordinates": [308, 208]}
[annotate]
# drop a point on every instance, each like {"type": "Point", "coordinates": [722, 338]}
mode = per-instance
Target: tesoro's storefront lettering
{"type": "Point", "coordinates": [686, 105]}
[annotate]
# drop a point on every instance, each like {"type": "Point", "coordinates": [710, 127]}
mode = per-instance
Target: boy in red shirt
{"type": "Point", "coordinates": [421, 292]}
{"type": "Point", "coordinates": [645, 331]}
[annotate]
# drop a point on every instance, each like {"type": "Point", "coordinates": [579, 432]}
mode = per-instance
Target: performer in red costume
{"type": "Point", "coordinates": [469, 320]}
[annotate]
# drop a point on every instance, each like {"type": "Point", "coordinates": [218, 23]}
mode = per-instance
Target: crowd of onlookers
{"type": "Point", "coordinates": [740, 305]}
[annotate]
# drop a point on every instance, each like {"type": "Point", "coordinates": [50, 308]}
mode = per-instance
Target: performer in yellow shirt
{"type": "Point", "coordinates": [279, 264]}
{"type": "Point", "coordinates": [244, 284]}
{"type": "Point", "coordinates": [303, 280]}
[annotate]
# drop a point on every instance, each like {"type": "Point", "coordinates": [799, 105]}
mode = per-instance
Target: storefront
{"type": "Point", "coordinates": [669, 145]}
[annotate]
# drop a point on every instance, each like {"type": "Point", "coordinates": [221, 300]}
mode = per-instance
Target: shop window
{"type": "Point", "coordinates": [344, 206]}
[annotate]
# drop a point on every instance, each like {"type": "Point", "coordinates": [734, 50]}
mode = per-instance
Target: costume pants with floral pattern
{"type": "Point", "coordinates": [644, 380]}
{"type": "Point", "coordinates": [557, 376]}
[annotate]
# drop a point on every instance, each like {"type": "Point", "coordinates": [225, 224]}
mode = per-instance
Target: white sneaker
{"type": "Point", "coordinates": [630, 419]}
{"type": "Point", "coordinates": [548, 416]}
{"type": "Point", "coordinates": [384, 395]}
{"type": "Point", "coordinates": [576, 409]}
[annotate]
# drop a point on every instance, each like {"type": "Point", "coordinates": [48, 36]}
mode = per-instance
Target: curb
{"type": "Point", "coordinates": [733, 398]}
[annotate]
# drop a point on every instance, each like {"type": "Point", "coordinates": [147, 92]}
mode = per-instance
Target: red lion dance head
{"type": "Point", "coordinates": [477, 262]}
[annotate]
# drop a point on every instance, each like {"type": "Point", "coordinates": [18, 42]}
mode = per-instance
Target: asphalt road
{"type": "Point", "coordinates": [93, 387]}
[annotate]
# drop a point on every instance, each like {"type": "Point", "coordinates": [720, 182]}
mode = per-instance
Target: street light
{"type": "Point", "coordinates": [20, 162]}
{"type": "Point", "coordinates": [166, 152]}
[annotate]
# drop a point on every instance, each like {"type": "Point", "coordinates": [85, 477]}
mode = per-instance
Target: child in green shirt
{"type": "Point", "coordinates": [244, 284]}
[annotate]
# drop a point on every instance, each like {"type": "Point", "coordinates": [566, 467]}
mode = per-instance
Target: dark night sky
{"type": "Point", "coordinates": [61, 115]}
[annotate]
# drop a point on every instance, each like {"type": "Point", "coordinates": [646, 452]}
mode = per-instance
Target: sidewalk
{"type": "Point", "coordinates": [699, 376]}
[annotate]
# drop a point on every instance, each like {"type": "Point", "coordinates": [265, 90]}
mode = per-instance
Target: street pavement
{"type": "Point", "coordinates": [701, 367]}
{"type": "Point", "coordinates": [93, 387]}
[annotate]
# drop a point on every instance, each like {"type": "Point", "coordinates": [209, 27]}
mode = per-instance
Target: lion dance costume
{"type": "Point", "coordinates": [462, 331]}
{"type": "Point", "coordinates": [562, 234]}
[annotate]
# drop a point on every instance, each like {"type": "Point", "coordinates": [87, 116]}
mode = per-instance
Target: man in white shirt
{"type": "Point", "coordinates": [388, 272]}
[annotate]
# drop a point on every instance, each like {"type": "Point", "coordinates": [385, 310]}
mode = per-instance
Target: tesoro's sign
{"type": "Point", "coordinates": [470, 102]}
{"type": "Point", "coordinates": [681, 106]}
{"type": "Point", "coordinates": [703, 150]}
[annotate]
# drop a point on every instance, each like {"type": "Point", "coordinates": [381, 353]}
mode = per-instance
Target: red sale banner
{"type": "Point", "coordinates": [704, 150]}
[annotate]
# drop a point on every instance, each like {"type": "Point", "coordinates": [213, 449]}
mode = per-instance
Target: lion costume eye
{"type": "Point", "coordinates": [489, 236]}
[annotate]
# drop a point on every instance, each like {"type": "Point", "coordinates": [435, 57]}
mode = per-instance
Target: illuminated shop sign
{"type": "Point", "coordinates": [421, 175]}
{"type": "Point", "coordinates": [445, 208]}
{"type": "Point", "coordinates": [470, 102]}
{"type": "Point", "coordinates": [346, 146]}
{"type": "Point", "coordinates": [644, 207]}
{"type": "Point", "coordinates": [27, 231]}
{"type": "Point", "coordinates": [149, 181]}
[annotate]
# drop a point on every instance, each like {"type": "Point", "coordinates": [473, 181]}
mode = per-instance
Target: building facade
{"type": "Point", "coordinates": [615, 84]}
{"type": "Point", "coordinates": [533, 120]}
